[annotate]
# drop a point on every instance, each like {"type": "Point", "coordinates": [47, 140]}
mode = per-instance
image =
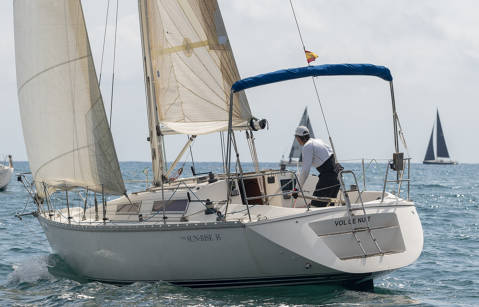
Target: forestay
{"type": "Point", "coordinates": [193, 66]}
{"type": "Point", "coordinates": [66, 132]}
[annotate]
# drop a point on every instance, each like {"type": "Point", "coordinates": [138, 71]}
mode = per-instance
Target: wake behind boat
{"type": "Point", "coordinates": [230, 229]}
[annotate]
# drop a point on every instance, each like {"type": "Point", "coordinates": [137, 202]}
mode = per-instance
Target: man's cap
{"type": "Point", "coordinates": [301, 131]}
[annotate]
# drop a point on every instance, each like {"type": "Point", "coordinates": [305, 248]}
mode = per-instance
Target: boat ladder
{"type": "Point", "coordinates": [355, 229]}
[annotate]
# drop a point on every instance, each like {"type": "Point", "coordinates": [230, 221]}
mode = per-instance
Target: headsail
{"type": "Point", "coordinates": [441, 142]}
{"type": "Point", "coordinates": [66, 132]}
{"type": "Point", "coordinates": [193, 66]}
{"type": "Point", "coordinates": [296, 149]}
{"type": "Point", "coordinates": [430, 148]}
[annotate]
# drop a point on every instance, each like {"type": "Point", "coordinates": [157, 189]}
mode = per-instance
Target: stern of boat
{"type": "Point", "coordinates": [389, 236]}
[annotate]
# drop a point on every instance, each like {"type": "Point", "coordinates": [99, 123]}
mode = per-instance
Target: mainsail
{"type": "Point", "coordinates": [192, 66]}
{"type": "Point", "coordinates": [441, 142]}
{"type": "Point", "coordinates": [296, 149]}
{"type": "Point", "coordinates": [68, 140]}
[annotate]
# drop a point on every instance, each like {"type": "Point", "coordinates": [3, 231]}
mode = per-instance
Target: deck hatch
{"type": "Point", "coordinates": [171, 206]}
{"type": "Point", "coordinates": [128, 208]}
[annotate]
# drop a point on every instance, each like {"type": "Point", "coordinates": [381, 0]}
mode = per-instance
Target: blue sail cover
{"type": "Point", "coordinates": [313, 71]}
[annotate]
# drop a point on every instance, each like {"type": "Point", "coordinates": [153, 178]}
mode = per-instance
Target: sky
{"type": "Point", "coordinates": [430, 46]}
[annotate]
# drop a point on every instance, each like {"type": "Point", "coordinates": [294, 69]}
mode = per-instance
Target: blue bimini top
{"type": "Point", "coordinates": [313, 71]}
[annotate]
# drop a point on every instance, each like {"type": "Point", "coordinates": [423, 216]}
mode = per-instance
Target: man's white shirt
{"type": "Point", "coordinates": [315, 153]}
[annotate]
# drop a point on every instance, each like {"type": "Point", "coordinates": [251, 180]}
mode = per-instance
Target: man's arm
{"type": "Point", "coordinates": [307, 162]}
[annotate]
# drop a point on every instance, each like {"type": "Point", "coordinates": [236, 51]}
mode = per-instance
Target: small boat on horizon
{"type": "Point", "coordinates": [442, 156]}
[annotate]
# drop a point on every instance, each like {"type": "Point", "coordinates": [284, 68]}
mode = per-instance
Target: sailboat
{"type": "Point", "coordinates": [295, 156]}
{"type": "Point", "coordinates": [6, 172]}
{"type": "Point", "coordinates": [220, 230]}
{"type": "Point", "coordinates": [442, 152]}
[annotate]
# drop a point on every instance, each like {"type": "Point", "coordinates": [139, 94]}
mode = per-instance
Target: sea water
{"type": "Point", "coordinates": [446, 273]}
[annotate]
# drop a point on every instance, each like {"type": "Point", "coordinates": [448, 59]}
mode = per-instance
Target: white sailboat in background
{"type": "Point", "coordinates": [295, 157]}
{"type": "Point", "coordinates": [6, 172]}
{"type": "Point", "coordinates": [442, 152]}
{"type": "Point", "coordinates": [233, 229]}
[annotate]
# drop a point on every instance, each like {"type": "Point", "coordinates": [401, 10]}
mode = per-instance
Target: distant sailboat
{"type": "Point", "coordinates": [442, 152]}
{"type": "Point", "coordinates": [295, 157]}
{"type": "Point", "coordinates": [6, 172]}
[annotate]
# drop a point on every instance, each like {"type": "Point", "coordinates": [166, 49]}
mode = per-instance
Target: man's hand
{"type": "Point", "coordinates": [295, 193]}
{"type": "Point", "coordinates": [338, 167]}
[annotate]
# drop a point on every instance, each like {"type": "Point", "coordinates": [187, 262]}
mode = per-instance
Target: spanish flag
{"type": "Point", "coordinates": [310, 56]}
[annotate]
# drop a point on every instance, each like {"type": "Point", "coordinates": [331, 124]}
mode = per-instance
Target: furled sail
{"type": "Point", "coordinates": [193, 66]}
{"type": "Point", "coordinates": [440, 141]}
{"type": "Point", "coordinates": [66, 132]}
{"type": "Point", "coordinates": [296, 149]}
{"type": "Point", "coordinates": [430, 148]}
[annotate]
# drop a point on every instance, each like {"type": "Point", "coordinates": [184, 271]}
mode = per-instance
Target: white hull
{"type": "Point", "coordinates": [5, 176]}
{"type": "Point", "coordinates": [303, 247]}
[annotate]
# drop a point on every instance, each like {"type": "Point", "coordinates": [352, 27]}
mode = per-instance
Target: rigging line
{"type": "Point", "coordinates": [297, 26]}
{"type": "Point", "coordinates": [114, 60]}
{"type": "Point", "coordinates": [223, 151]}
{"type": "Point", "coordinates": [104, 41]}
{"type": "Point", "coordinates": [312, 78]}
{"type": "Point", "coordinates": [191, 154]}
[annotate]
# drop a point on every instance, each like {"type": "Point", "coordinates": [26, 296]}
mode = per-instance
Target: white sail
{"type": "Point", "coordinates": [192, 66]}
{"type": "Point", "coordinates": [66, 132]}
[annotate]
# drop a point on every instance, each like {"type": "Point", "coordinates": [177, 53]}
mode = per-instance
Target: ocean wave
{"type": "Point", "coordinates": [430, 185]}
{"type": "Point", "coordinates": [30, 270]}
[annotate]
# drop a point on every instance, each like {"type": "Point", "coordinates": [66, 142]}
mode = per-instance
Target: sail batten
{"type": "Point", "coordinates": [193, 66]}
{"type": "Point", "coordinates": [67, 136]}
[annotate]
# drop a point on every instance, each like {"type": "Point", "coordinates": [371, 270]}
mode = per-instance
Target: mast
{"type": "Point", "coordinates": [155, 136]}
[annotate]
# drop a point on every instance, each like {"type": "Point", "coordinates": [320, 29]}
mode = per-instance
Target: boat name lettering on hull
{"type": "Point", "coordinates": [354, 220]}
{"type": "Point", "coordinates": [205, 237]}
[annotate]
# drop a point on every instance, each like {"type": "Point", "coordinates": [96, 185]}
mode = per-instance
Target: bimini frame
{"type": "Point", "coordinates": [397, 163]}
